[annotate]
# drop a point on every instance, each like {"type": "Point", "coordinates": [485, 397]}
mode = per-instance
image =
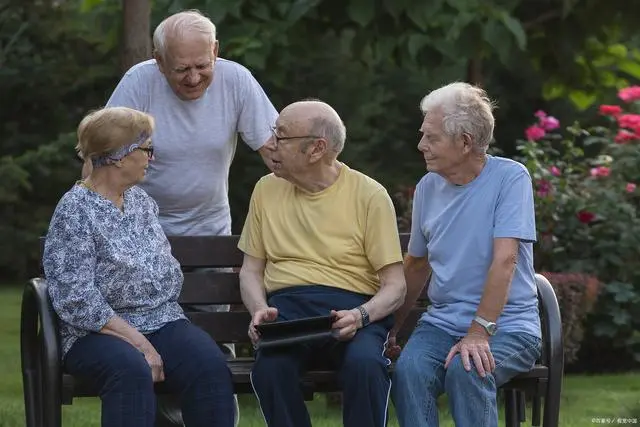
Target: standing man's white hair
{"type": "Point", "coordinates": [465, 108]}
{"type": "Point", "coordinates": [180, 23]}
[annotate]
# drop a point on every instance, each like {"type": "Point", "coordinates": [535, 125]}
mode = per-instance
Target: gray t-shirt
{"type": "Point", "coordinates": [195, 141]}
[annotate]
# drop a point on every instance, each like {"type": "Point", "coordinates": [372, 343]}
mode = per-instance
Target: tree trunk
{"type": "Point", "coordinates": [136, 47]}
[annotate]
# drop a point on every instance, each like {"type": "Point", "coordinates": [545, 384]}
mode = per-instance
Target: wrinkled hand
{"type": "Point", "coordinates": [345, 324]}
{"type": "Point", "coordinates": [476, 347]}
{"type": "Point", "coordinates": [155, 363]}
{"type": "Point", "coordinates": [392, 350]}
{"type": "Point", "coordinates": [268, 314]}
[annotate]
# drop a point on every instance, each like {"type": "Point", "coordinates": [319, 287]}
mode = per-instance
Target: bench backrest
{"type": "Point", "coordinates": [211, 266]}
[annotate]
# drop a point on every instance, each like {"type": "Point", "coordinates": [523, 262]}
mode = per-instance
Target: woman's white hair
{"type": "Point", "coordinates": [176, 25]}
{"type": "Point", "coordinates": [465, 109]}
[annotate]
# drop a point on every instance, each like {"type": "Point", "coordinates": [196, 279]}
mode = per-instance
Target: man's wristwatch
{"type": "Point", "coordinates": [488, 326]}
{"type": "Point", "coordinates": [365, 316]}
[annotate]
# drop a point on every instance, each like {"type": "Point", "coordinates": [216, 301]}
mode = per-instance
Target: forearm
{"type": "Point", "coordinates": [118, 327]}
{"type": "Point", "coordinates": [386, 301]}
{"type": "Point", "coordinates": [252, 290]}
{"type": "Point", "coordinates": [496, 292]}
{"type": "Point", "coordinates": [416, 275]}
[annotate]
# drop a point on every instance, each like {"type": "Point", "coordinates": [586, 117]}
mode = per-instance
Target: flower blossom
{"type": "Point", "coordinates": [625, 136]}
{"type": "Point", "coordinates": [629, 94]}
{"type": "Point", "coordinates": [555, 171]}
{"type": "Point", "coordinates": [629, 121]}
{"type": "Point", "coordinates": [631, 187]}
{"type": "Point", "coordinates": [600, 171]}
{"type": "Point", "coordinates": [544, 188]}
{"type": "Point", "coordinates": [534, 133]}
{"type": "Point", "coordinates": [586, 217]}
{"type": "Point", "coordinates": [610, 110]}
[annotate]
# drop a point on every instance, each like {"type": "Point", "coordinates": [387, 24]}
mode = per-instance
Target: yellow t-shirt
{"type": "Point", "coordinates": [340, 236]}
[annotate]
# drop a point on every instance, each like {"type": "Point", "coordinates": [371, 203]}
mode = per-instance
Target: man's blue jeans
{"type": "Point", "coordinates": [420, 377]}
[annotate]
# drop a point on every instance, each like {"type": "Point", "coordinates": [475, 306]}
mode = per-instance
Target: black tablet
{"type": "Point", "coordinates": [288, 332]}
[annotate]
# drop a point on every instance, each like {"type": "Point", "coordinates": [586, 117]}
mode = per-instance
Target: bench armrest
{"type": "Point", "coordinates": [552, 346]}
{"type": "Point", "coordinates": [40, 350]}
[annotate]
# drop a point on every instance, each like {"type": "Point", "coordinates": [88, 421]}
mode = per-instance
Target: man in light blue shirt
{"type": "Point", "coordinates": [473, 229]}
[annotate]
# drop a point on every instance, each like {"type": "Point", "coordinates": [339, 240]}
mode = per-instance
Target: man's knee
{"type": "Point", "coordinates": [364, 365]}
{"type": "Point", "coordinates": [457, 377]}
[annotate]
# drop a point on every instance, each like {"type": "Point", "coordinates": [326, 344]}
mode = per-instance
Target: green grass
{"type": "Point", "coordinates": [584, 397]}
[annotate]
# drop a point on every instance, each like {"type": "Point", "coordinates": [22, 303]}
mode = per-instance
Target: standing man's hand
{"type": "Point", "coordinates": [473, 346]}
{"type": "Point", "coordinates": [268, 314]}
{"type": "Point", "coordinates": [392, 349]}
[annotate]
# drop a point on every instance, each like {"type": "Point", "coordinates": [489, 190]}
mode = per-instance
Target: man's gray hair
{"type": "Point", "coordinates": [332, 129]}
{"type": "Point", "coordinates": [465, 109]}
{"type": "Point", "coordinates": [189, 21]}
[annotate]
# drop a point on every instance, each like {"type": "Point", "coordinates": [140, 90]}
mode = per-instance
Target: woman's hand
{"type": "Point", "coordinates": [155, 362]}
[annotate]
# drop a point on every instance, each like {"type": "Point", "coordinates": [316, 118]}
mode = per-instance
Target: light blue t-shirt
{"type": "Point", "coordinates": [455, 226]}
{"type": "Point", "coordinates": [195, 141]}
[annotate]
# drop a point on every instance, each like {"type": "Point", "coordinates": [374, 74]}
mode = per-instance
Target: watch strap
{"type": "Point", "coordinates": [365, 315]}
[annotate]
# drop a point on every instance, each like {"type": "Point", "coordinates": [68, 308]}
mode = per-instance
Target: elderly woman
{"type": "Point", "coordinates": [114, 285]}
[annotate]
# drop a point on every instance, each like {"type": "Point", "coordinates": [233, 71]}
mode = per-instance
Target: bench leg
{"type": "Point", "coordinates": [511, 408]}
{"type": "Point", "coordinates": [32, 398]}
{"type": "Point", "coordinates": [522, 406]}
{"type": "Point", "coordinates": [552, 402]}
{"type": "Point", "coordinates": [535, 413]}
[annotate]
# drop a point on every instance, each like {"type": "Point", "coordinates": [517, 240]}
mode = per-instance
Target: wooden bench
{"type": "Point", "coordinates": [47, 388]}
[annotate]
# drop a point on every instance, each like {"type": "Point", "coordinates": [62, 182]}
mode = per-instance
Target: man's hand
{"type": "Point", "coordinates": [473, 346]}
{"type": "Point", "coordinates": [392, 350]}
{"type": "Point", "coordinates": [268, 314]}
{"type": "Point", "coordinates": [346, 323]}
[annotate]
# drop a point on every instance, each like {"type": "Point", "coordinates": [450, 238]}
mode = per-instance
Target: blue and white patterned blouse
{"type": "Point", "coordinates": [100, 261]}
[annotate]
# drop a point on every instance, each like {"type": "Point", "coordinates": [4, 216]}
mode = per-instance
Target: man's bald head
{"type": "Point", "coordinates": [317, 118]}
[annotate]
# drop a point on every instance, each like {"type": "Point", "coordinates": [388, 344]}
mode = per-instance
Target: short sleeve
{"type": "Point", "coordinates": [129, 92]}
{"type": "Point", "coordinates": [515, 210]}
{"type": "Point", "coordinates": [257, 113]}
{"type": "Point", "coordinates": [251, 242]}
{"type": "Point", "coordinates": [382, 241]}
{"type": "Point", "coordinates": [69, 261]}
{"type": "Point", "coordinates": [417, 240]}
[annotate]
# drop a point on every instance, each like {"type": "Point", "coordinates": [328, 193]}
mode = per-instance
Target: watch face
{"type": "Point", "coordinates": [492, 328]}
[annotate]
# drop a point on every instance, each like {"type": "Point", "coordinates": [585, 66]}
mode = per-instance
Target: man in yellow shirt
{"type": "Point", "coordinates": [321, 238]}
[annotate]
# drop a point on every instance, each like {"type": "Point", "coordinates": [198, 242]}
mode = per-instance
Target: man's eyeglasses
{"type": "Point", "coordinates": [148, 150]}
{"type": "Point", "coordinates": [288, 138]}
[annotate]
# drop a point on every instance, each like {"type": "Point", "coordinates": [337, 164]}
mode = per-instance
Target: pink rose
{"type": "Point", "coordinates": [600, 171]}
{"type": "Point", "coordinates": [629, 94]}
{"type": "Point", "coordinates": [540, 114]}
{"type": "Point", "coordinates": [631, 187]}
{"type": "Point", "coordinates": [555, 171]}
{"type": "Point", "coordinates": [549, 123]}
{"type": "Point", "coordinates": [586, 217]}
{"type": "Point", "coordinates": [544, 188]}
{"type": "Point", "coordinates": [610, 110]}
{"type": "Point", "coordinates": [629, 121]}
{"type": "Point", "coordinates": [625, 136]}
{"type": "Point", "coordinates": [534, 133]}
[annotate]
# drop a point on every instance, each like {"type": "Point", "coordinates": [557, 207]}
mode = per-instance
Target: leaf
{"type": "Point", "coordinates": [88, 5]}
{"type": "Point", "coordinates": [618, 50]}
{"type": "Point", "coordinates": [361, 11]}
{"type": "Point", "coordinates": [630, 67]}
{"type": "Point", "coordinates": [516, 29]}
{"type": "Point", "coordinates": [299, 8]}
{"type": "Point", "coordinates": [553, 91]}
{"type": "Point", "coordinates": [581, 99]}
{"type": "Point", "coordinates": [495, 34]}
{"type": "Point", "coordinates": [426, 14]}
{"type": "Point", "coordinates": [417, 42]}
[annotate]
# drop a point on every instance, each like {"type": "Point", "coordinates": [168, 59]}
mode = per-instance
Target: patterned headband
{"type": "Point", "coordinates": [119, 154]}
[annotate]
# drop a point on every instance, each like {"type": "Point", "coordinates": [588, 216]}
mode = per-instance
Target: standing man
{"type": "Point", "coordinates": [200, 103]}
{"type": "Point", "coordinates": [473, 229]}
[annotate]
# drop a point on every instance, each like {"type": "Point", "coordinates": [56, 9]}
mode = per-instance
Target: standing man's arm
{"type": "Point", "coordinates": [257, 116]}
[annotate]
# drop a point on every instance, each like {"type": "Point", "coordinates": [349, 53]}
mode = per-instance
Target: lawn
{"type": "Point", "coordinates": [612, 397]}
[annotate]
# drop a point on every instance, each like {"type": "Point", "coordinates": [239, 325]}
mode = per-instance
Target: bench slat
{"type": "Point", "coordinates": [206, 251]}
{"type": "Point", "coordinates": [211, 287]}
{"type": "Point", "coordinates": [230, 327]}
